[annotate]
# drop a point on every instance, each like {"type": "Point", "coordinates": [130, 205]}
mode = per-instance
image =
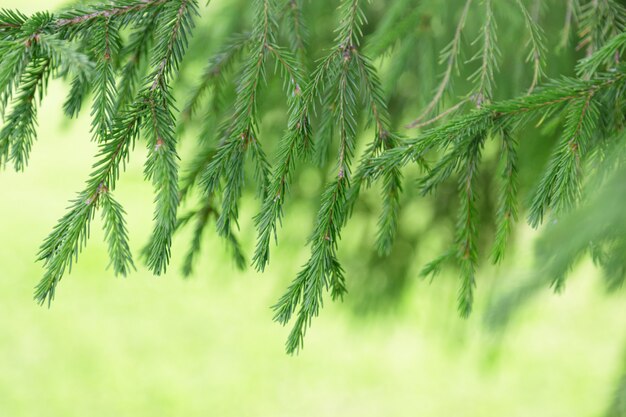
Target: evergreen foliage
{"type": "Point", "coordinates": [125, 56]}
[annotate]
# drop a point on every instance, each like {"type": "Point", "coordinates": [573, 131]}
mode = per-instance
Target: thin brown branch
{"type": "Point", "coordinates": [113, 11]}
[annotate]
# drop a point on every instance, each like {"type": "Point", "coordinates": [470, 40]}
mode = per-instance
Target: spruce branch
{"type": "Point", "coordinates": [536, 46]}
{"type": "Point", "coordinates": [214, 75]}
{"type": "Point", "coordinates": [488, 54]}
{"type": "Point", "coordinates": [103, 111]}
{"type": "Point", "coordinates": [161, 166]}
{"type": "Point", "coordinates": [297, 29]}
{"type": "Point", "coordinates": [125, 56]}
{"type": "Point", "coordinates": [559, 189]}
{"type": "Point", "coordinates": [61, 248]}
{"type": "Point", "coordinates": [467, 225]}
{"type": "Point", "coordinates": [450, 56]}
{"type": "Point", "coordinates": [346, 74]}
{"type": "Point", "coordinates": [292, 147]}
{"type": "Point", "coordinates": [570, 15]}
{"type": "Point", "coordinates": [599, 20]}
{"type": "Point", "coordinates": [137, 52]}
{"type": "Point", "coordinates": [162, 169]}
{"type": "Point", "coordinates": [507, 208]}
{"type": "Point", "coordinates": [230, 156]}
{"type": "Point", "coordinates": [124, 10]}
{"type": "Point", "coordinates": [18, 133]}
{"type": "Point", "coordinates": [116, 234]}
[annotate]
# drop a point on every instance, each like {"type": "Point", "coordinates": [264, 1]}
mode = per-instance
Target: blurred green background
{"type": "Point", "coordinates": [146, 346]}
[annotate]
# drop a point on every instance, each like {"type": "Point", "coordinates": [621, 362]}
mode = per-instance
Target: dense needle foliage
{"type": "Point", "coordinates": [123, 59]}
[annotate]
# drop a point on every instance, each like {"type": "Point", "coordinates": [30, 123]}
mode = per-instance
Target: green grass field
{"type": "Point", "coordinates": [207, 346]}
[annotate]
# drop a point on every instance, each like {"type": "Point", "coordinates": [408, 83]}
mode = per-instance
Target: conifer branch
{"type": "Point", "coordinates": [103, 111]}
{"type": "Point", "coordinates": [296, 142]}
{"type": "Point", "coordinates": [116, 234]}
{"type": "Point", "coordinates": [507, 208]}
{"type": "Point", "coordinates": [84, 16]}
{"type": "Point", "coordinates": [536, 46]}
{"type": "Point", "coordinates": [61, 248]}
{"type": "Point", "coordinates": [214, 74]}
{"type": "Point", "coordinates": [137, 50]}
{"type": "Point", "coordinates": [488, 57]}
{"type": "Point", "coordinates": [467, 226]}
{"type": "Point", "coordinates": [450, 56]}
{"type": "Point", "coordinates": [230, 156]}
{"type": "Point", "coordinates": [567, 25]}
{"type": "Point", "coordinates": [559, 189]}
{"type": "Point", "coordinates": [126, 55]}
{"type": "Point", "coordinates": [297, 28]}
{"type": "Point", "coordinates": [18, 133]}
{"type": "Point", "coordinates": [162, 164]}
{"type": "Point", "coordinates": [402, 17]}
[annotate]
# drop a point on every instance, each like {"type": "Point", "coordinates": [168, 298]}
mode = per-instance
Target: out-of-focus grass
{"type": "Point", "coordinates": [146, 346]}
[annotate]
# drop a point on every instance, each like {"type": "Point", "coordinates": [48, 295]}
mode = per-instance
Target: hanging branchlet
{"type": "Point", "coordinates": [213, 78]}
{"type": "Point", "coordinates": [161, 167]}
{"type": "Point", "coordinates": [385, 140]}
{"type": "Point", "coordinates": [107, 44]}
{"type": "Point", "coordinates": [115, 233]}
{"type": "Point", "coordinates": [487, 56]}
{"type": "Point", "coordinates": [598, 21]}
{"type": "Point", "coordinates": [340, 78]}
{"type": "Point", "coordinates": [449, 56]}
{"type": "Point", "coordinates": [18, 133]}
{"type": "Point", "coordinates": [536, 46]}
{"type": "Point", "coordinates": [397, 24]}
{"type": "Point", "coordinates": [323, 271]}
{"type": "Point", "coordinates": [61, 248]}
{"type": "Point", "coordinates": [296, 28]}
{"type": "Point", "coordinates": [467, 225]}
{"type": "Point", "coordinates": [507, 206]}
{"type": "Point", "coordinates": [559, 189]}
{"type": "Point", "coordinates": [136, 52]}
{"type": "Point", "coordinates": [229, 160]}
